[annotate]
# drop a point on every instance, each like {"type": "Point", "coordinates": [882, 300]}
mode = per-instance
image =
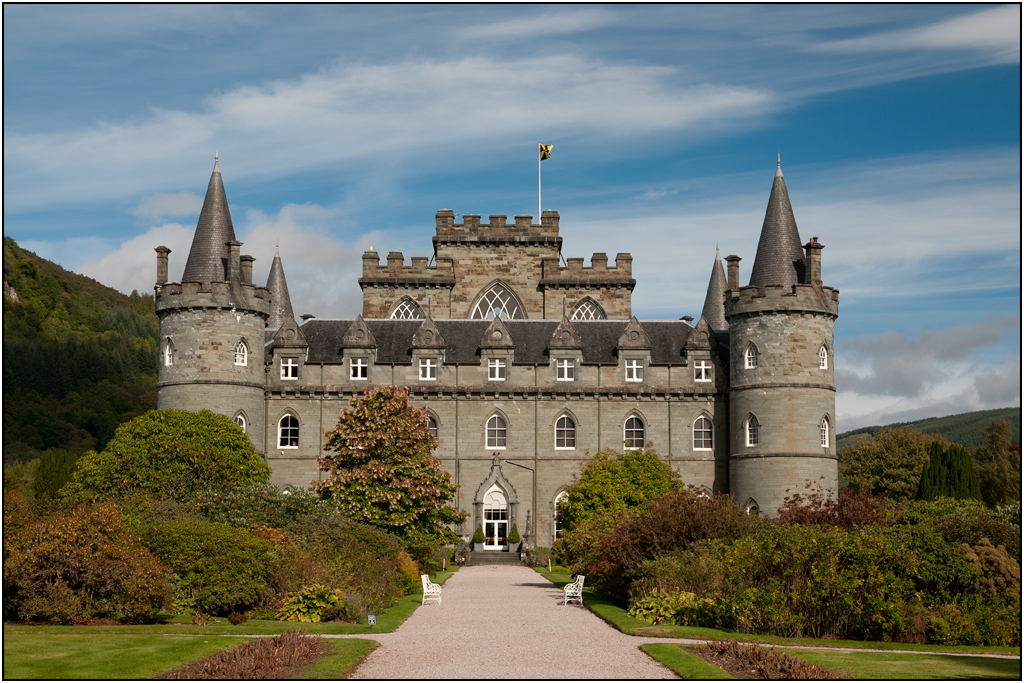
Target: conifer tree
{"type": "Point", "coordinates": [949, 474]}
{"type": "Point", "coordinates": [999, 464]}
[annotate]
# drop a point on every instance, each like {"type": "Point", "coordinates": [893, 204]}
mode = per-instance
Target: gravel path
{"type": "Point", "coordinates": [506, 623]}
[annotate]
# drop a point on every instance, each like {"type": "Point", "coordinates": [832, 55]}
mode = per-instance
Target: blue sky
{"type": "Point", "coordinates": [341, 127]}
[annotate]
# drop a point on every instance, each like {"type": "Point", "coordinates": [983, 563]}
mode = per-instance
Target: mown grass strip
{"type": "Point", "coordinates": [617, 617]}
{"type": "Point", "coordinates": [343, 659]}
{"type": "Point", "coordinates": [101, 655]}
{"type": "Point", "coordinates": [684, 664]}
{"type": "Point", "coordinates": [894, 665]}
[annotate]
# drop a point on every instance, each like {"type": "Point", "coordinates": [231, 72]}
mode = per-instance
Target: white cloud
{"type": "Point", "coordinates": [553, 23]}
{"type": "Point", "coordinates": [158, 206]}
{"type": "Point", "coordinates": [132, 265]}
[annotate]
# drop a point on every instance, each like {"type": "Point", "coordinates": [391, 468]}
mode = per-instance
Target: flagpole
{"type": "Point", "coordinates": [538, 181]}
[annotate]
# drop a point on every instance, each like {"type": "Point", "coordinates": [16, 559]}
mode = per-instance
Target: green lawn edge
{"type": "Point", "coordinates": [682, 663]}
{"type": "Point", "coordinates": [345, 655]}
{"type": "Point", "coordinates": [616, 616]}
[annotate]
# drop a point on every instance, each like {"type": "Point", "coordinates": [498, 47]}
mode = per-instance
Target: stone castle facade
{"type": "Point", "coordinates": [526, 364]}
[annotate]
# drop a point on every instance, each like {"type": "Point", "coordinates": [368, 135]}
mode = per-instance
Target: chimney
{"type": "Point", "coordinates": [234, 261]}
{"type": "Point", "coordinates": [733, 268]}
{"type": "Point", "coordinates": [161, 264]}
{"type": "Point", "coordinates": [247, 268]}
{"type": "Point", "coordinates": [812, 259]}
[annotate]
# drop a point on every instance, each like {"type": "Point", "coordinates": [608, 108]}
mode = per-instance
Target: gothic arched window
{"type": "Point", "coordinates": [499, 302]}
{"type": "Point", "coordinates": [702, 434]}
{"type": "Point", "coordinates": [407, 310]}
{"type": "Point", "coordinates": [823, 357]}
{"type": "Point", "coordinates": [559, 499]}
{"type": "Point", "coordinates": [288, 432]}
{"type": "Point", "coordinates": [565, 433]}
{"type": "Point", "coordinates": [497, 432]}
{"type": "Point", "coordinates": [753, 431]}
{"type": "Point", "coordinates": [588, 310]}
{"type": "Point", "coordinates": [168, 353]}
{"type": "Point", "coordinates": [633, 433]}
{"type": "Point", "coordinates": [432, 425]}
{"type": "Point", "coordinates": [750, 357]}
{"type": "Point", "coordinates": [824, 432]}
{"type": "Point", "coordinates": [241, 353]}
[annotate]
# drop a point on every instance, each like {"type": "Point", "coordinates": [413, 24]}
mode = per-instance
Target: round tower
{"type": "Point", "coordinates": [212, 324]}
{"type": "Point", "coordinates": [781, 369]}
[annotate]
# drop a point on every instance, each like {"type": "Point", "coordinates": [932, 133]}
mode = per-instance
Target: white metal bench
{"type": "Point", "coordinates": [431, 591]}
{"type": "Point", "coordinates": [574, 590]}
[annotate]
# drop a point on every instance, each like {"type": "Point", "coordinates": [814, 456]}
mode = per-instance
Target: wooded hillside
{"type": "Point", "coordinates": [964, 429]}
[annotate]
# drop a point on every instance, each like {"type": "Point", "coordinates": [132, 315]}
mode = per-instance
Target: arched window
{"type": "Point", "coordinates": [750, 357]}
{"type": "Point", "coordinates": [240, 421]}
{"type": "Point", "coordinates": [588, 310]}
{"type": "Point", "coordinates": [565, 433]}
{"type": "Point", "coordinates": [824, 432]}
{"type": "Point", "coordinates": [241, 353]}
{"type": "Point", "coordinates": [556, 528]}
{"type": "Point", "coordinates": [407, 310]}
{"type": "Point", "coordinates": [497, 302]}
{"type": "Point", "coordinates": [633, 432]}
{"type": "Point", "coordinates": [432, 425]}
{"type": "Point", "coordinates": [823, 357]}
{"type": "Point", "coordinates": [496, 432]}
{"type": "Point", "coordinates": [752, 507]}
{"type": "Point", "coordinates": [288, 432]}
{"type": "Point", "coordinates": [703, 434]}
{"type": "Point", "coordinates": [753, 431]}
{"type": "Point", "coordinates": [168, 353]}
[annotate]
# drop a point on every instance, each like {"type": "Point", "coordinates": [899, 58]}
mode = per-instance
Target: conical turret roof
{"type": "Point", "coordinates": [280, 300]}
{"type": "Point", "coordinates": [208, 258]}
{"type": "Point", "coordinates": [714, 302]}
{"type": "Point", "coordinates": [780, 255]}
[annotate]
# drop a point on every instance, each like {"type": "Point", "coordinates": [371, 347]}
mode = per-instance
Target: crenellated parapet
{"type": "Point", "coordinates": [780, 298]}
{"type": "Point", "coordinates": [395, 272]}
{"type": "Point", "coordinates": [575, 274]}
{"type": "Point", "coordinates": [221, 295]}
{"type": "Point", "coordinates": [497, 231]}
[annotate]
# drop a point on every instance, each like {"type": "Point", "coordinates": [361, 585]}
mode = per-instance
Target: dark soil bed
{"type": "Point", "coordinates": [751, 662]}
{"type": "Point", "coordinates": [283, 656]}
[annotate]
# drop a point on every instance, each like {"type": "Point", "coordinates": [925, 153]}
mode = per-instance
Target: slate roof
{"type": "Point", "coordinates": [714, 302]}
{"type": "Point", "coordinates": [209, 253]}
{"type": "Point", "coordinates": [780, 254]}
{"type": "Point", "coordinates": [280, 301]}
{"type": "Point", "coordinates": [394, 339]}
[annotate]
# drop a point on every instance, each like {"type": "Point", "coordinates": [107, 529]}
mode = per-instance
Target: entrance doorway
{"type": "Point", "coordinates": [495, 519]}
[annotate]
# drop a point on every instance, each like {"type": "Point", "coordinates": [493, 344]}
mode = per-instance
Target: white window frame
{"type": "Point", "coordinates": [168, 353]}
{"type": "Point", "coordinates": [710, 430]}
{"type": "Point", "coordinates": [241, 353]}
{"type": "Point", "coordinates": [823, 358]}
{"type": "Point", "coordinates": [702, 371]}
{"type": "Point", "coordinates": [500, 433]}
{"type": "Point", "coordinates": [569, 433]}
{"type": "Point", "coordinates": [565, 370]}
{"type": "Point", "coordinates": [281, 428]}
{"type": "Point", "coordinates": [240, 421]}
{"type": "Point", "coordinates": [634, 370]}
{"type": "Point", "coordinates": [359, 369]}
{"type": "Point", "coordinates": [407, 309]}
{"type": "Point", "coordinates": [630, 441]}
{"type": "Point", "coordinates": [428, 369]}
{"type": "Point", "coordinates": [496, 369]}
{"type": "Point", "coordinates": [555, 530]}
{"type": "Point", "coordinates": [498, 301]}
{"type": "Point", "coordinates": [588, 309]}
{"type": "Point", "coordinates": [289, 369]}
{"type": "Point", "coordinates": [824, 429]}
{"type": "Point", "coordinates": [752, 431]}
{"type": "Point", "coordinates": [750, 357]}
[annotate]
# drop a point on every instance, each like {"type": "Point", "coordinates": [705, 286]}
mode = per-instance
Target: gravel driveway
{"type": "Point", "coordinates": [506, 622]}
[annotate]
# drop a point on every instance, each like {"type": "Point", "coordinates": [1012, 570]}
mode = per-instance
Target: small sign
{"type": "Point", "coordinates": [371, 619]}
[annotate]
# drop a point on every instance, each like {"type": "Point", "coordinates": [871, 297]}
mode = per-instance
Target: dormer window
{"type": "Point", "coordinates": [565, 370]}
{"type": "Point", "coordinates": [360, 368]}
{"type": "Point", "coordinates": [241, 353]}
{"type": "Point", "coordinates": [289, 368]}
{"type": "Point", "coordinates": [750, 357]}
{"type": "Point", "coordinates": [496, 369]}
{"type": "Point", "coordinates": [634, 371]}
{"type": "Point", "coordinates": [823, 357]}
{"type": "Point", "coordinates": [702, 371]}
{"type": "Point", "coordinates": [428, 369]}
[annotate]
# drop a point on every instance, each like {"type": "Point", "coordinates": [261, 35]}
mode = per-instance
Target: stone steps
{"type": "Point", "coordinates": [493, 557]}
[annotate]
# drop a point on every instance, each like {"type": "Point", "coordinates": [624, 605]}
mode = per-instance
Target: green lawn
{"type": "Point", "coordinates": [684, 664]}
{"type": "Point", "coordinates": [916, 666]}
{"type": "Point", "coordinates": [344, 657]}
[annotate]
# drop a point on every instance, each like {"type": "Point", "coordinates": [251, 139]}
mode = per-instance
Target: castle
{"type": "Point", "coordinates": [526, 364]}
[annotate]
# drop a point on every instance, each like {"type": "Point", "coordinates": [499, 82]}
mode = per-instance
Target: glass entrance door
{"type": "Point", "coordinates": [495, 520]}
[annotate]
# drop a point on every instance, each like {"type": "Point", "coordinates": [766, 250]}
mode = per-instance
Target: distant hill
{"type": "Point", "coordinates": [79, 358]}
{"type": "Point", "coordinates": [964, 429]}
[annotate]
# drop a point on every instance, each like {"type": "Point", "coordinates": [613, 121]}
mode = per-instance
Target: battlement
{"type": "Point", "coordinates": [497, 230]}
{"type": "Point", "coordinates": [227, 295]}
{"type": "Point", "coordinates": [796, 298]}
{"type": "Point", "coordinates": [575, 273]}
{"type": "Point", "coordinates": [395, 272]}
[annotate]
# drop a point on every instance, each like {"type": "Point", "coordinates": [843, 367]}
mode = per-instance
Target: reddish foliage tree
{"type": "Point", "coordinates": [852, 510]}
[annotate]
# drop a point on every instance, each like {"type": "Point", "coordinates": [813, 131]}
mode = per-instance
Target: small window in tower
{"type": "Point", "coordinates": [634, 371]}
{"type": "Point", "coordinates": [496, 432]}
{"type": "Point", "coordinates": [289, 368]}
{"type": "Point", "coordinates": [565, 433]}
{"type": "Point", "coordinates": [702, 434]}
{"type": "Point", "coordinates": [360, 369]}
{"type": "Point", "coordinates": [633, 433]}
{"type": "Point", "coordinates": [241, 353]}
{"type": "Point", "coordinates": [753, 431]}
{"type": "Point", "coordinates": [750, 357]}
{"type": "Point", "coordinates": [240, 421]}
{"type": "Point", "coordinates": [432, 425]}
{"type": "Point", "coordinates": [288, 432]}
{"type": "Point", "coordinates": [428, 369]}
{"type": "Point", "coordinates": [168, 353]}
{"type": "Point", "coordinates": [823, 357]}
{"type": "Point", "coordinates": [824, 432]}
{"type": "Point", "coordinates": [702, 371]}
{"type": "Point", "coordinates": [496, 369]}
{"type": "Point", "coordinates": [565, 370]}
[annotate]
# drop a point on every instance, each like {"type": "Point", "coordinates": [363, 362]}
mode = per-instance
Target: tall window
{"type": "Point", "coordinates": [588, 310]}
{"type": "Point", "coordinates": [360, 368]}
{"type": "Point", "coordinates": [824, 432]}
{"type": "Point", "coordinates": [288, 432]}
{"type": "Point", "coordinates": [240, 421]}
{"type": "Point", "coordinates": [634, 371]}
{"type": "Point", "coordinates": [750, 357]}
{"type": "Point", "coordinates": [633, 433]}
{"type": "Point", "coordinates": [753, 431]}
{"type": "Point", "coordinates": [823, 357]}
{"type": "Point", "coordinates": [702, 371]}
{"type": "Point", "coordinates": [497, 302]}
{"type": "Point", "coordinates": [432, 425]}
{"type": "Point", "coordinates": [566, 369]}
{"type": "Point", "coordinates": [496, 432]}
{"type": "Point", "coordinates": [168, 353]}
{"type": "Point", "coordinates": [428, 369]}
{"type": "Point", "coordinates": [702, 434]}
{"type": "Point", "coordinates": [289, 368]}
{"type": "Point", "coordinates": [241, 353]}
{"type": "Point", "coordinates": [565, 433]}
{"type": "Point", "coordinates": [557, 529]}
{"type": "Point", "coordinates": [407, 310]}
{"type": "Point", "coordinates": [496, 369]}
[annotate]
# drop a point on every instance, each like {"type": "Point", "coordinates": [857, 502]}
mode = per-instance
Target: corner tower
{"type": "Point", "coordinates": [781, 370]}
{"type": "Point", "coordinates": [212, 324]}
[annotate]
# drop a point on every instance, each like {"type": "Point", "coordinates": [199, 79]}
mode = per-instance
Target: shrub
{"type": "Point", "coordinates": [54, 470]}
{"type": "Point", "coordinates": [1000, 573]}
{"type": "Point", "coordinates": [169, 454]}
{"type": "Point", "coordinates": [889, 463]}
{"type": "Point", "coordinates": [237, 618]}
{"type": "Point", "coordinates": [219, 568]}
{"type": "Point", "coordinates": [851, 510]}
{"type": "Point", "coordinates": [478, 535]}
{"type": "Point", "coordinates": [959, 529]}
{"type": "Point", "coordinates": [411, 582]}
{"type": "Point", "coordinates": [311, 603]}
{"type": "Point", "coordinates": [81, 564]}
{"type": "Point", "coordinates": [680, 608]}
{"type": "Point", "coordinates": [513, 536]}
{"type": "Point", "coordinates": [262, 505]}
{"type": "Point", "coordinates": [985, 624]}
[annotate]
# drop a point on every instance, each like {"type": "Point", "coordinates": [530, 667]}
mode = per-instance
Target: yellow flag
{"type": "Point", "coordinates": [545, 152]}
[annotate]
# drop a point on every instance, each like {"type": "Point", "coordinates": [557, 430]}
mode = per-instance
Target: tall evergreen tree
{"type": "Point", "coordinates": [999, 464]}
{"type": "Point", "coordinates": [948, 474]}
